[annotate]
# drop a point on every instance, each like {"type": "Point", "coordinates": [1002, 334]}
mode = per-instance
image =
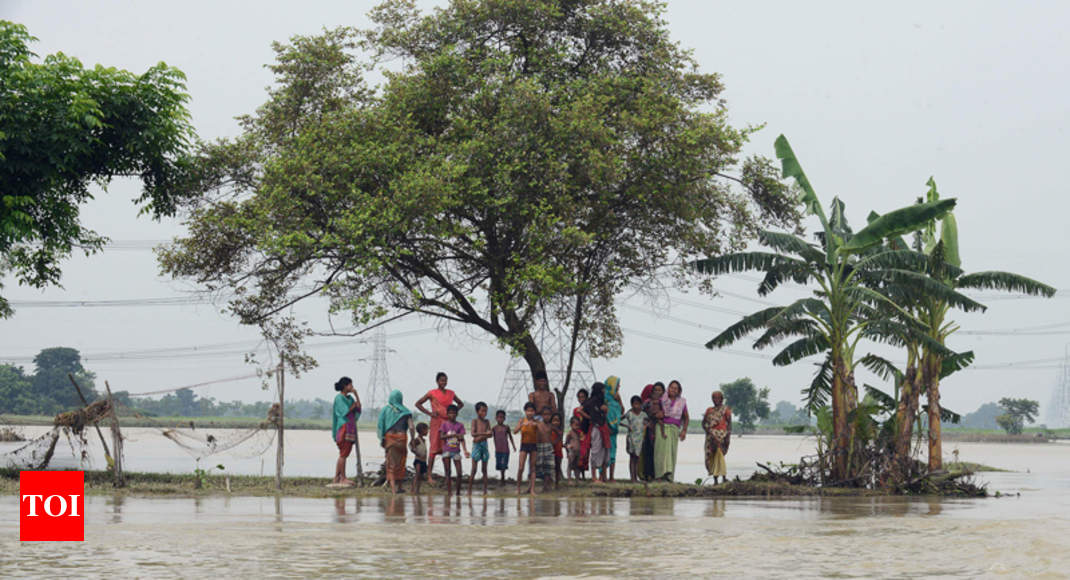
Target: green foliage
{"type": "Point", "coordinates": [65, 127]}
{"type": "Point", "coordinates": [1017, 413]}
{"type": "Point", "coordinates": [748, 403]}
{"type": "Point", "coordinates": [983, 418]}
{"type": "Point", "coordinates": [522, 159]}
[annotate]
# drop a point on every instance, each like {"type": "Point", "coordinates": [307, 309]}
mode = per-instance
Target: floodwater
{"type": "Point", "coordinates": [1025, 533]}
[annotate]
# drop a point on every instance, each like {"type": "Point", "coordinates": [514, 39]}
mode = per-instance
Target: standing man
{"type": "Point", "coordinates": [542, 397]}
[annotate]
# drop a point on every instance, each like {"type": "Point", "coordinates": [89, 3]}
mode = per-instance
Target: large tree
{"type": "Point", "coordinates": [63, 128]}
{"type": "Point", "coordinates": [523, 160]}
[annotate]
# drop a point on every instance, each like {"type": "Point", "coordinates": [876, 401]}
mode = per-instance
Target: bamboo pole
{"type": "Point", "coordinates": [107, 452]}
{"type": "Point", "coordinates": [279, 426]}
{"type": "Point", "coordinates": [360, 466]}
{"type": "Point", "coordinates": [116, 441]}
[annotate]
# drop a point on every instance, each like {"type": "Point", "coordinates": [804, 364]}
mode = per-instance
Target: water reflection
{"type": "Point", "coordinates": [116, 501]}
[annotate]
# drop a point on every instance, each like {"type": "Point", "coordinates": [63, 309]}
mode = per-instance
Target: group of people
{"type": "Point", "coordinates": [654, 423]}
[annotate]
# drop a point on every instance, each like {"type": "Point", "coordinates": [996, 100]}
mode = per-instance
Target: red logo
{"type": "Point", "coordinates": [51, 506]}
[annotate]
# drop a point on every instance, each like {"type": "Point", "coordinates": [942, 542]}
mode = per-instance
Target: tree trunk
{"type": "Point", "coordinates": [905, 412]}
{"type": "Point", "coordinates": [933, 364]}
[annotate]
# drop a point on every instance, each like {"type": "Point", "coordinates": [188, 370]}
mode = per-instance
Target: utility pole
{"type": "Point", "coordinates": [279, 432]}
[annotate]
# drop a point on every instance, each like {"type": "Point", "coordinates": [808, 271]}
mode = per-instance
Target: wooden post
{"type": "Point", "coordinates": [107, 453]}
{"type": "Point", "coordinates": [116, 441]}
{"type": "Point", "coordinates": [279, 426]}
{"type": "Point", "coordinates": [360, 464]}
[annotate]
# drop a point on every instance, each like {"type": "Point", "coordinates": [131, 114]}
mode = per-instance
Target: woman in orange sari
{"type": "Point", "coordinates": [440, 398]}
{"type": "Point", "coordinates": [395, 423]}
{"type": "Point", "coordinates": [717, 423]}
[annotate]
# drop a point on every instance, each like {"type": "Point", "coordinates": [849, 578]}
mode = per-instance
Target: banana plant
{"type": "Point", "coordinates": [945, 268]}
{"type": "Point", "coordinates": [842, 310]}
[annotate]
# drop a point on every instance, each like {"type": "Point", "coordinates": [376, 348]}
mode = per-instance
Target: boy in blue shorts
{"type": "Point", "coordinates": [503, 438]}
{"type": "Point", "coordinates": [480, 454]}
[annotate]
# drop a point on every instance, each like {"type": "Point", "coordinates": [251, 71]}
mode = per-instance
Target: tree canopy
{"type": "Point", "coordinates": [1017, 412]}
{"type": "Point", "coordinates": [748, 402]}
{"type": "Point", "coordinates": [523, 161]}
{"type": "Point", "coordinates": [63, 128]}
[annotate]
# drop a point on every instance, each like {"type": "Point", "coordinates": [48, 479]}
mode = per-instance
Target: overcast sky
{"type": "Point", "coordinates": [874, 98]}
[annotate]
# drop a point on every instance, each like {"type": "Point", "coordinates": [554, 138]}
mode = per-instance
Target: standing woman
{"type": "Point", "coordinates": [717, 423]}
{"type": "Point", "coordinates": [672, 432]}
{"type": "Point", "coordinates": [344, 425]}
{"type": "Point", "coordinates": [595, 408]}
{"type": "Point", "coordinates": [395, 424]}
{"type": "Point", "coordinates": [441, 398]}
{"type": "Point", "coordinates": [650, 394]}
{"type": "Point", "coordinates": [615, 409]}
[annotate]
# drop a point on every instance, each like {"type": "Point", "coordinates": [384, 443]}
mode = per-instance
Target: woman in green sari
{"type": "Point", "coordinates": [346, 411]}
{"type": "Point", "coordinates": [613, 415]}
{"type": "Point", "coordinates": [672, 431]}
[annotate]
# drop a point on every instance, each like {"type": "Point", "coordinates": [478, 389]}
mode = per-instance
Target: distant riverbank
{"type": "Point", "coordinates": [1030, 435]}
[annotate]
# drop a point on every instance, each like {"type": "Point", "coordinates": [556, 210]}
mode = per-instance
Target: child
{"type": "Point", "coordinates": [544, 454]}
{"type": "Point", "coordinates": [555, 432]}
{"type": "Point", "coordinates": [572, 444]}
{"type": "Point", "coordinates": [503, 438]}
{"type": "Point", "coordinates": [585, 429]}
{"type": "Point", "coordinates": [480, 454]}
{"type": "Point", "coordinates": [632, 423]}
{"type": "Point", "coordinates": [529, 437]}
{"type": "Point", "coordinates": [654, 411]}
{"type": "Point", "coordinates": [418, 446]}
{"type": "Point", "coordinates": [452, 435]}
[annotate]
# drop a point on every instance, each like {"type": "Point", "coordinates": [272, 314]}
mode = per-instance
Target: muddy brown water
{"type": "Point", "coordinates": [1025, 533]}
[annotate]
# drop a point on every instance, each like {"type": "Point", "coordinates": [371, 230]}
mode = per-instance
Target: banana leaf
{"type": "Point", "coordinates": [898, 222]}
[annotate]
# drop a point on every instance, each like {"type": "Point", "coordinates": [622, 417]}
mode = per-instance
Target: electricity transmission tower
{"type": "Point", "coordinates": [379, 377]}
{"type": "Point", "coordinates": [553, 340]}
{"type": "Point", "coordinates": [1059, 411]}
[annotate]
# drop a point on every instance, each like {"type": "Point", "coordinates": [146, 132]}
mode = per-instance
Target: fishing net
{"type": "Point", "coordinates": [34, 454]}
{"type": "Point", "coordinates": [201, 443]}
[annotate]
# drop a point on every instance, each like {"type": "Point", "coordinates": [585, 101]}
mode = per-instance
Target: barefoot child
{"type": "Point", "coordinates": [556, 433]}
{"type": "Point", "coordinates": [544, 451]}
{"type": "Point", "coordinates": [631, 423]}
{"type": "Point", "coordinates": [480, 454]}
{"type": "Point", "coordinates": [572, 444]}
{"type": "Point", "coordinates": [503, 438]}
{"type": "Point", "coordinates": [529, 437]}
{"type": "Point", "coordinates": [452, 435]}
{"type": "Point", "coordinates": [418, 446]}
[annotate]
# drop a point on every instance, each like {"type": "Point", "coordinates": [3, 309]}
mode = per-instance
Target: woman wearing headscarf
{"type": "Point", "coordinates": [595, 408]}
{"type": "Point", "coordinates": [345, 412]}
{"type": "Point", "coordinates": [395, 424]}
{"type": "Point", "coordinates": [671, 433]}
{"type": "Point", "coordinates": [615, 408]}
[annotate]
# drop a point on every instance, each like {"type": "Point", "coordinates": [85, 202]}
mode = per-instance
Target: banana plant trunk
{"type": "Point", "coordinates": [905, 412]}
{"type": "Point", "coordinates": [841, 427]}
{"type": "Point", "coordinates": [931, 375]}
